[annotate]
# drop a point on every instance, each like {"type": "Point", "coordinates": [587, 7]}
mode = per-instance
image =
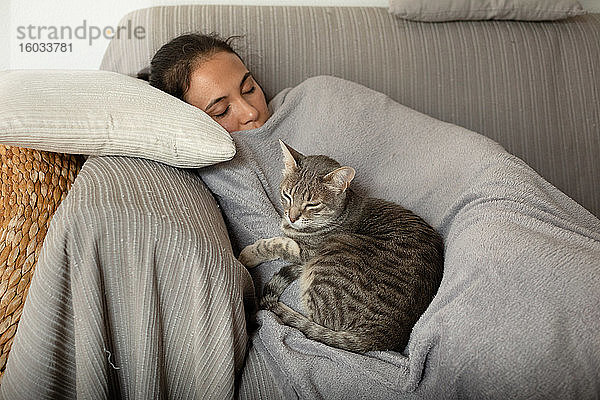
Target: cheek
{"type": "Point", "coordinates": [260, 103]}
{"type": "Point", "coordinates": [227, 124]}
{"type": "Point", "coordinates": [316, 214]}
{"type": "Point", "coordinates": [326, 213]}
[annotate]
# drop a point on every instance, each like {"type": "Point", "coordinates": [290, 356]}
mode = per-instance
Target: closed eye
{"type": "Point", "coordinates": [223, 113]}
{"type": "Point", "coordinates": [312, 205]}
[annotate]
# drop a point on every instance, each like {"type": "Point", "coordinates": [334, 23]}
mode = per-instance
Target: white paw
{"type": "Point", "coordinates": [249, 256]}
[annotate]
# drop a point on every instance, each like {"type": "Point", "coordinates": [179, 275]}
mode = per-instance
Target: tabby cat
{"type": "Point", "coordinates": [368, 268]}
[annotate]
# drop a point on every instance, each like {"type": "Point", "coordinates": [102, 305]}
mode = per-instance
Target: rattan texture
{"type": "Point", "coordinates": [33, 185]}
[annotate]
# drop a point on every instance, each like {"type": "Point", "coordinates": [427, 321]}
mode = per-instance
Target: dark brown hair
{"type": "Point", "coordinates": [173, 63]}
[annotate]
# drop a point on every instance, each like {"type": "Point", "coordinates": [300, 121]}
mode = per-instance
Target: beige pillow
{"type": "Point", "coordinates": [105, 113]}
{"type": "Point", "coordinates": [452, 10]}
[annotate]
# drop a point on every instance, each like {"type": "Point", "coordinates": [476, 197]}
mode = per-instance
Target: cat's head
{"type": "Point", "coordinates": [313, 189]}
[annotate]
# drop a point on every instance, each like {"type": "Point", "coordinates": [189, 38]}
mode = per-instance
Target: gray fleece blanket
{"type": "Point", "coordinates": [517, 314]}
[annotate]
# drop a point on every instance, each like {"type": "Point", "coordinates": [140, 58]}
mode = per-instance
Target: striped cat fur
{"type": "Point", "coordinates": [368, 268]}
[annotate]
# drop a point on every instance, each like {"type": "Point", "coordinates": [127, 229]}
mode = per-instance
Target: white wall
{"type": "Point", "coordinates": [5, 34]}
{"type": "Point", "coordinates": [17, 15]}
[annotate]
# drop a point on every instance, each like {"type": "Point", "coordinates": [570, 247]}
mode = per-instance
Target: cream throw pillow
{"type": "Point", "coordinates": [452, 10]}
{"type": "Point", "coordinates": [105, 113]}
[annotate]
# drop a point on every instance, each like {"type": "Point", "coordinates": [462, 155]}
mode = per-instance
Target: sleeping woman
{"type": "Point", "coordinates": [206, 72]}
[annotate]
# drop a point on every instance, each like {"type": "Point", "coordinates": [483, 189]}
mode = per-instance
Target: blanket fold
{"type": "Point", "coordinates": [518, 312]}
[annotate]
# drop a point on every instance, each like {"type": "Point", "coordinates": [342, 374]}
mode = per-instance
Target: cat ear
{"type": "Point", "coordinates": [290, 157]}
{"type": "Point", "coordinates": [339, 179]}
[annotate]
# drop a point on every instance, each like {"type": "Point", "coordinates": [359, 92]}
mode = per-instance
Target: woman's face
{"type": "Point", "coordinates": [225, 90]}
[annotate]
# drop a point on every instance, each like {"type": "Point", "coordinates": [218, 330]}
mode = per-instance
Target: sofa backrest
{"type": "Point", "coordinates": [534, 87]}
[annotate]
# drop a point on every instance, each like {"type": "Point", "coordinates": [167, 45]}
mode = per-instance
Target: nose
{"type": "Point", "coordinates": [248, 112]}
{"type": "Point", "coordinates": [294, 214]}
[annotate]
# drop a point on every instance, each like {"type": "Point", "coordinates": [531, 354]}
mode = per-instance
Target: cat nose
{"type": "Point", "coordinates": [294, 215]}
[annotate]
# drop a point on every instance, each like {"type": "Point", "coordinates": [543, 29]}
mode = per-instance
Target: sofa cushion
{"type": "Point", "coordinates": [135, 293]}
{"type": "Point", "coordinates": [452, 10]}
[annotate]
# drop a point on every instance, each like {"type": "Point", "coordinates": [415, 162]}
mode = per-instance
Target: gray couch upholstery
{"type": "Point", "coordinates": [534, 87]}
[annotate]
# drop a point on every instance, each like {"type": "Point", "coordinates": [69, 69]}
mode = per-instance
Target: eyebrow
{"type": "Point", "coordinates": [218, 99]}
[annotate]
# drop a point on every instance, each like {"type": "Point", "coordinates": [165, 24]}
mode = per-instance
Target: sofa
{"type": "Point", "coordinates": [532, 87]}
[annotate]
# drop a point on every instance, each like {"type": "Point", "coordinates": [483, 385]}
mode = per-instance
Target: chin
{"type": "Point", "coordinates": [294, 226]}
{"type": "Point", "coordinates": [300, 226]}
{"type": "Point", "coordinates": [287, 225]}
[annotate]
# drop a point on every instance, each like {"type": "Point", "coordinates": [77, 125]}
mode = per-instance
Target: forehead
{"type": "Point", "coordinates": [218, 76]}
{"type": "Point", "coordinates": [302, 178]}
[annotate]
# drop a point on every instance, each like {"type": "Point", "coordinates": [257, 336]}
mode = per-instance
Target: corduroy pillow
{"type": "Point", "coordinates": [33, 185]}
{"type": "Point", "coordinates": [453, 10]}
{"type": "Point", "coordinates": [106, 113]}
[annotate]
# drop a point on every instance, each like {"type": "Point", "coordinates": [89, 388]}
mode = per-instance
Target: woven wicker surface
{"type": "Point", "coordinates": [33, 185]}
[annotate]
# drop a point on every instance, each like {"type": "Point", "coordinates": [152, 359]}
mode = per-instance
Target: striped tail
{"type": "Point", "coordinates": [351, 341]}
